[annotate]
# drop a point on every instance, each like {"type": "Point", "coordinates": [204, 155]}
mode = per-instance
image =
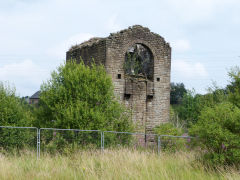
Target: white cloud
{"type": "Point", "coordinates": [25, 75]}
{"type": "Point", "coordinates": [181, 45]}
{"type": "Point", "coordinates": [112, 25]}
{"type": "Point", "coordinates": [189, 70]}
{"type": "Point", "coordinates": [192, 10]}
{"type": "Point", "coordinates": [60, 50]}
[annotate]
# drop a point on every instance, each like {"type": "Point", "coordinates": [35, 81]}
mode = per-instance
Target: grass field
{"type": "Point", "coordinates": [112, 164]}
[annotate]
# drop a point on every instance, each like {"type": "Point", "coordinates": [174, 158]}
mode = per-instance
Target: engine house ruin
{"type": "Point", "coordinates": [139, 62]}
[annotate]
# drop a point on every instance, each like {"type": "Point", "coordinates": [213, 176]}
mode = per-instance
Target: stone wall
{"type": "Point", "coordinates": [94, 49]}
{"type": "Point", "coordinates": [149, 99]}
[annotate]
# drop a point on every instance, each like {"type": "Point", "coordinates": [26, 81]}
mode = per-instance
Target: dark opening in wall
{"type": "Point", "coordinates": [158, 79]}
{"type": "Point", "coordinates": [149, 97]}
{"type": "Point", "coordinates": [127, 96]}
{"type": "Point", "coordinates": [139, 62]}
{"type": "Point", "coordinates": [119, 76]}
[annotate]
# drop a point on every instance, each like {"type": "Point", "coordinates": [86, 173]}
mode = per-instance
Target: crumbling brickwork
{"type": "Point", "coordinates": [148, 96]}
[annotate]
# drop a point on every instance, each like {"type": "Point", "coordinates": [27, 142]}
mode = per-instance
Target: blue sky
{"type": "Point", "coordinates": [35, 34]}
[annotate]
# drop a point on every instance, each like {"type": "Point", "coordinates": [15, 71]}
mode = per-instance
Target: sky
{"type": "Point", "coordinates": [35, 35]}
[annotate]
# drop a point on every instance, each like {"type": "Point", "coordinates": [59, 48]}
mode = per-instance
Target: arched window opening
{"type": "Point", "coordinates": [139, 62]}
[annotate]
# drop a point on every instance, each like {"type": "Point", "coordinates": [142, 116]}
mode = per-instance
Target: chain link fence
{"type": "Point", "coordinates": [53, 140]}
{"type": "Point", "coordinates": [17, 139]}
{"type": "Point", "coordinates": [176, 143]}
{"type": "Point", "coordinates": [136, 141]}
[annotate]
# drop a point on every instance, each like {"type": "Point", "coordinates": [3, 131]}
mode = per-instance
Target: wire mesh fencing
{"type": "Point", "coordinates": [54, 140]}
{"type": "Point", "coordinates": [135, 141]}
{"type": "Point", "coordinates": [171, 143]}
{"type": "Point", "coordinates": [17, 139]}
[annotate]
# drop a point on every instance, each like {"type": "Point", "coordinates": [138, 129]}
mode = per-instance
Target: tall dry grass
{"type": "Point", "coordinates": [112, 164]}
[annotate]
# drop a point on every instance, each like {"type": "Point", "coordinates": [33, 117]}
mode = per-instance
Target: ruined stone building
{"type": "Point", "coordinates": [139, 62]}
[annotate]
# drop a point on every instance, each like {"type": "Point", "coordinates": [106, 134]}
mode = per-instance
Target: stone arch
{"type": "Point", "coordinates": [145, 43]}
{"type": "Point", "coordinates": [139, 61]}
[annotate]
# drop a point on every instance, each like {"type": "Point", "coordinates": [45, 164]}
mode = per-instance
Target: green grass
{"type": "Point", "coordinates": [112, 164]}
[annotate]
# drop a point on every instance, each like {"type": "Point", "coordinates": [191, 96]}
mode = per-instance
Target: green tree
{"type": "Point", "coordinates": [218, 125]}
{"type": "Point", "coordinates": [192, 104]}
{"type": "Point", "coordinates": [189, 109]}
{"type": "Point", "coordinates": [169, 143]}
{"type": "Point", "coordinates": [81, 97]}
{"type": "Point", "coordinates": [234, 87]}
{"type": "Point", "coordinates": [177, 92]}
{"type": "Point", "coordinates": [218, 130]}
{"type": "Point", "coordinates": [14, 112]}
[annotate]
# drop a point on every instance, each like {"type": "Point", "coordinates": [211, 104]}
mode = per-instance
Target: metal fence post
{"type": "Point", "coordinates": [39, 138]}
{"type": "Point", "coordinates": [102, 141]}
{"type": "Point", "coordinates": [38, 143]}
{"type": "Point", "coordinates": [159, 145]}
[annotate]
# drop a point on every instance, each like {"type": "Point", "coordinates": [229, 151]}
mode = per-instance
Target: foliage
{"type": "Point", "coordinates": [14, 112]}
{"type": "Point", "coordinates": [174, 118]}
{"type": "Point", "coordinates": [218, 129]}
{"type": "Point", "coordinates": [139, 62]}
{"type": "Point", "coordinates": [234, 87]}
{"type": "Point", "coordinates": [113, 164]}
{"type": "Point", "coordinates": [177, 92]}
{"type": "Point", "coordinates": [190, 108]}
{"type": "Point", "coordinates": [170, 143]}
{"type": "Point", "coordinates": [132, 66]}
{"type": "Point", "coordinates": [192, 104]}
{"type": "Point", "coordinates": [81, 97]}
{"type": "Point", "coordinates": [168, 129]}
{"type": "Point", "coordinates": [53, 141]}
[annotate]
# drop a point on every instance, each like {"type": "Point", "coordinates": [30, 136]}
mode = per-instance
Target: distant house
{"type": "Point", "coordinates": [34, 99]}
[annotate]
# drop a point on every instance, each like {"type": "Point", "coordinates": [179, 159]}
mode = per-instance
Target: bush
{"type": "Point", "coordinates": [69, 141]}
{"type": "Point", "coordinates": [171, 144]}
{"type": "Point", "coordinates": [13, 112]}
{"type": "Point", "coordinates": [81, 97]}
{"type": "Point", "coordinates": [192, 104]}
{"type": "Point", "coordinates": [234, 87]}
{"type": "Point", "coordinates": [218, 129]}
{"type": "Point", "coordinates": [174, 118]}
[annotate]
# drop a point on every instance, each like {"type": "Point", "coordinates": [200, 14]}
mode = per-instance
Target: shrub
{"type": "Point", "coordinates": [192, 104]}
{"type": "Point", "coordinates": [234, 87]}
{"type": "Point", "coordinates": [170, 144]}
{"type": "Point", "coordinates": [218, 129]}
{"type": "Point", "coordinates": [81, 97]}
{"type": "Point", "coordinates": [13, 112]}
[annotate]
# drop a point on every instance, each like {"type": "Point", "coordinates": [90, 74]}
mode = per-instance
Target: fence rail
{"type": "Point", "coordinates": [48, 139]}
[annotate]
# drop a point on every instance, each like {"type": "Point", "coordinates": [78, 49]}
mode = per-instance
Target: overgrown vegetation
{"type": "Point", "coordinates": [112, 164]}
{"type": "Point", "coordinates": [138, 62]}
{"type": "Point", "coordinates": [81, 97]}
{"type": "Point", "coordinates": [177, 92]}
{"type": "Point", "coordinates": [14, 112]}
{"type": "Point", "coordinates": [171, 144]}
{"type": "Point", "coordinates": [215, 119]}
{"type": "Point", "coordinates": [218, 130]}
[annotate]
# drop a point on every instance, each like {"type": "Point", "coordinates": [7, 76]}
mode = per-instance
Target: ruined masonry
{"type": "Point", "coordinates": [139, 62]}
